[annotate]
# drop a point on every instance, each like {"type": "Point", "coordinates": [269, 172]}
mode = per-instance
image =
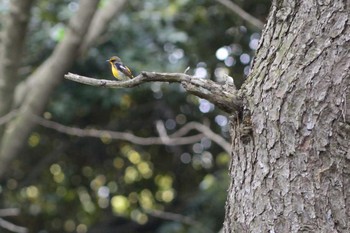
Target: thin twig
{"type": "Point", "coordinates": [243, 14]}
{"type": "Point", "coordinates": [210, 134]}
{"type": "Point", "coordinates": [117, 135]}
{"type": "Point", "coordinates": [162, 131]}
{"type": "Point", "coordinates": [177, 138]}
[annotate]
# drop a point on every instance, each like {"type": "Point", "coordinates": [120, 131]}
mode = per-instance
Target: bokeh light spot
{"type": "Point", "coordinates": [222, 53]}
{"type": "Point", "coordinates": [197, 148]}
{"type": "Point", "coordinates": [131, 175]}
{"type": "Point", "coordinates": [246, 70]}
{"type": "Point", "coordinates": [253, 44]}
{"type": "Point", "coordinates": [59, 178]}
{"type": "Point", "coordinates": [200, 72]}
{"type": "Point", "coordinates": [221, 120]}
{"type": "Point", "coordinates": [106, 138]}
{"type": "Point", "coordinates": [164, 181]}
{"type": "Point", "coordinates": [139, 217]}
{"type": "Point", "coordinates": [69, 225]}
{"type": "Point", "coordinates": [244, 58]}
{"type": "Point", "coordinates": [81, 228]}
{"type": "Point", "coordinates": [34, 139]}
{"type": "Point", "coordinates": [222, 159]}
{"type": "Point", "coordinates": [133, 197]}
{"type": "Point", "coordinates": [207, 182]}
{"type": "Point", "coordinates": [118, 163]}
{"type": "Point", "coordinates": [145, 170]}
{"type": "Point", "coordinates": [230, 61]}
{"type": "Point", "coordinates": [73, 6]}
{"type": "Point", "coordinates": [166, 195]}
{"type": "Point", "coordinates": [170, 124]}
{"type": "Point", "coordinates": [103, 192]}
{"type": "Point", "coordinates": [146, 199]}
{"type": "Point", "coordinates": [55, 169]}
{"type": "Point", "coordinates": [120, 204]}
{"type": "Point", "coordinates": [113, 186]}
{"type": "Point", "coordinates": [181, 119]}
{"type": "Point", "coordinates": [96, 183]}
{"type": "Point", "coordinates": [134, 157]}
{"type": "Point", "coordinates": [205, 106]}
{"type": "Point", "coordinates": [185, 158]}
{"type": "Point", "coordinates": [32, 192]}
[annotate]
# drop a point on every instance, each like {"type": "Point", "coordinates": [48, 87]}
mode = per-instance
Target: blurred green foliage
{"type": "Point", "coordinates": [63, 183]}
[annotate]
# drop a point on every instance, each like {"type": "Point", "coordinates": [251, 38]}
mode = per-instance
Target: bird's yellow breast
{"type": "Point", "coordinates": [115, 71]}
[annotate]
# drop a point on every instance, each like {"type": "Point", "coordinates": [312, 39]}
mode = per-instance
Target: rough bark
{"type": "Point", "coordinates": [291, 172]}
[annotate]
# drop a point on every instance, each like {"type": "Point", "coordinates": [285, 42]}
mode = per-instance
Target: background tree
{"type": "Point", "coordinates": [58, 182]}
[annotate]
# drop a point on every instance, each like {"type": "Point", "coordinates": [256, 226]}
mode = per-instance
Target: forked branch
{"type": "Point", "coordinates": [224, 96]}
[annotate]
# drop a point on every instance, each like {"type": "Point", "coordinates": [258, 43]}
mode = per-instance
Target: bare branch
{"type": "Point", "coordinates": [162, 131]}
{"type": "Point", "coordinates": [224, 98]}
{"type": "Point", "coordinates": [177, 138]}
{"type": "Point", "coordinates": [9, 212]}
{"type": "Point", "coordinates": [141, 78]}
{"type": "Point", "coordinates": [209, 134]}
{"type": "Point", "coordinates": [243, 14]}
{"type": "Point", "coordinates": [198, 127]}
{"type": "Point", "coordinates": [12, 227]}
{"type": "Point", "coordinates": [117, 135]}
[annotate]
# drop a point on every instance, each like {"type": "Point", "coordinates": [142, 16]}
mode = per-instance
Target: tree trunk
{"type": "Point", "coordinates": [291, 172]}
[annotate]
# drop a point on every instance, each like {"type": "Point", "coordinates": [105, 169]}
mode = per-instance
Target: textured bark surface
{"type": "Point", "coordinates": [292, 173]}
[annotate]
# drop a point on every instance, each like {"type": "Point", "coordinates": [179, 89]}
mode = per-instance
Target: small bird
{"type": "Point", "coordinates": [118, 67]}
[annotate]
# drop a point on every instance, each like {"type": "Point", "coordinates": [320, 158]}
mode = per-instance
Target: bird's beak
{"type": "Point", "coordinates": [107, 60]}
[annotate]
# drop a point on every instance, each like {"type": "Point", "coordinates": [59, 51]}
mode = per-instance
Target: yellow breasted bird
{"type": "Point", "coordinates": [119, 69]}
